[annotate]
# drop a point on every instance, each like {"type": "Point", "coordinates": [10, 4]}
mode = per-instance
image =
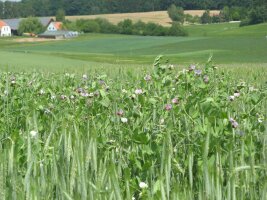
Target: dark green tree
{"type": "Point", "coordinates": [30, 25]}
{"type": "Point", "coordinates": [60, 15]}
{"type": "Point", "coordinates": [206, 18]}
{"type": "Point", "coordinates": [176, 14]}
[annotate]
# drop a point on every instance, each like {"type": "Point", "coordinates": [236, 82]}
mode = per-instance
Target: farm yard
{"type": "Point", "coordinates": [104, 116]}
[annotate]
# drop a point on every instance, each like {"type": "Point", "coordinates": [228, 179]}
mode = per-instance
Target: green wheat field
{"type": "Point", "coordinates": [107, 117]}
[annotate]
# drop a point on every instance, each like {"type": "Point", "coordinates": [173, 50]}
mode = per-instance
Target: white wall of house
{"type": "Point", "coordinates": [51, 27]}
{"type": "Point", "coordinates": [5, 31]}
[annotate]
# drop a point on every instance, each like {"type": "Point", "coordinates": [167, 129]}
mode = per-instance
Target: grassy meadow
{"type": "Point", "coordinates": [228, 44]}
{"type": "Point", "coordinates": [98, 117]}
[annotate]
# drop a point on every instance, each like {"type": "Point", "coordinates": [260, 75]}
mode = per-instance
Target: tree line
{"type": "Point", "coordinates": [27, 8]}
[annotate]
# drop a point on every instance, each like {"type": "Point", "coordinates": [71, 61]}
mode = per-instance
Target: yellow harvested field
{"type": "Point", "coordinates": [159, 17]}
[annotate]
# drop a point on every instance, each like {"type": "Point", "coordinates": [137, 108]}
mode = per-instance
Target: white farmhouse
{"type": "Point", "coordinates": [54, 26]}
{"type": "Point", "coordinates": [5, 30]}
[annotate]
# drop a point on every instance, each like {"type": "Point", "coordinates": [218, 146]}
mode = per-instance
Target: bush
{"type": "Point", "coordinates": [60, 15]}
{"type": "Point", "coordinates": [106, 26]}
{"type": "Point", "coordinates": [69, 25]}
{"type": "Point", "coordinates": [205, 18]}
{"type": "Point", "coordinates": [176, 14]}
{"type": "Point", "coordinates": [30, 25]}
{"type": "Point", "coordinates": [256, 16]}
{"type": "Point", "coordinates": [88, 26]}
{"type": "Point", "coordinates": [154, 30]}
{"type": "Point", "coordinates": [215, 19]}
{"type": "Point", "coordinates": [139, 28]}
{"type": "Point", "coordinates": [177, 30]}
{"type": "Point", "coordinates": [126, 27]}
{"type": "Point", "coordinates": [192, 19]}
{"type": "Point", "coordinates": [244, 22]}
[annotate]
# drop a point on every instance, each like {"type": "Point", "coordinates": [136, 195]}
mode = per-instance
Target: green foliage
{"type": "Point", "coordinates": [88, 26]}
{"type": "Point", "coordinates": [60, 15]}
{"type": "Point", "coordinates": [177, 30]}
{"type": "Point", "coordinates": [206, 18]}
{"type": "Point", "coordinates": [256, 15]}
{"type": "Point", "coordinates": [30, 25]}
{"type": "Point", "coordinates": [226, 41]}
{"type": "Point", "coordinates": [106, 26]}
{"type": "Point", "coordinates": [166, 133]}
{"type": "Point", "coordinates": [26, 8]}
{"type": "Point", "coordinates": [126, 27]}
{"type": "Point", "coordinates": [176, 14]}
{"type": "Point", "coordinates": [192, 19]}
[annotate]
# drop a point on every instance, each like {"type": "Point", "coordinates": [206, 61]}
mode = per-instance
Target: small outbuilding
{"type": "Point", "coordinates": [5, 30]}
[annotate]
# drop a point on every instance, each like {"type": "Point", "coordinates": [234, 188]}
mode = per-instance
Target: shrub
{"type": "Point", "coordinates": [126, 27]}
{"type": "Point", "coordinates": [69, 25]}
{"type": "Point", "coordinates": [256, 16]}
{"type": "Point", "coordinates": [176, 13]}
{"type": "Point", "coordinates": [215, 19]}
{"type": "Point", "coordinates": [139, 28]}
{"type": "Point", "coordinates": [60, 15]}
{"type": "Point", "coordinates": [154, 29]}
{"type": "Point", "coordinates": [192, 19]}
{"type": "Point", "coordinates": [30, 25]}
{"type": "Point", "coordinates": [177, 30]}
{"type": "Point", "coordinates": [205, 18]}
{"type": "Point", "coordinates": [244, 22]}
{"type": "Point", "coordinates": [106, 26]}
{"type": "Point", "coordinates": [88, 26]}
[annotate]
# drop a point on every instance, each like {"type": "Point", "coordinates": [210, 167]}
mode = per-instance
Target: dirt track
{"type": "Point", "coordinates": [33, 40]}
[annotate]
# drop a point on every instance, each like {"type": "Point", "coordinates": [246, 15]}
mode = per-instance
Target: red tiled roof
{"type": "Point", "coordinates": [58, 25]}
{"type": "Point", "coordinates": [2, 23]}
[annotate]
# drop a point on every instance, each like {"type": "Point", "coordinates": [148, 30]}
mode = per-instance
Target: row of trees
{"type": "Point", "coordinates": [33, 25]}
{"type": "Point", "coordinates": [248, 16]}
{"type": "Point", "coordinates": [26, 8]}
{"type": "Point", "coordinates": [127, 27]}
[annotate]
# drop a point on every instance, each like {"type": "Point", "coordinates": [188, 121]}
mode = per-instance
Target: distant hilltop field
{"type": "Point", "coordinates": [159, 17]}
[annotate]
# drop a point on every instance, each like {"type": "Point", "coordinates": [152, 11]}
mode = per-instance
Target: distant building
{"type": "Point", "coordinates": [5, 30]}
{"type": "Point", "coordinates": [55, 26]}
{"type": "Point", "coordinates": [14, 23]}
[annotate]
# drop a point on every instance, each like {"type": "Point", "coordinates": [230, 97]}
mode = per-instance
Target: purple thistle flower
{"type": "Point", "coordinates": [138, 91]}
{"type": "Point", "coordinates": [101, 82]}
{"type": "Point", "coordinates": [240, 133]}
{"type": "Point", "coordinates": [79, 90]}
{"type": "Point", "coordinates": [175, 100]}
{"type": "Point", "coordinates": [233, 123]}
{"type": "Point", "coordinates": [96, 93]}
{"type": "Point", "coordinates": [198, 72]}
{"type": "Point", "coordinates": [84, 94]}
{"type": "Point", "coordinates": [63, 97]}
{"type": "Point", "coordinates": [168, 107]}
{"type": "Point", "coordinates": [120, 112]}
{"type": "Point", "coordinates": [206, 79]}
{"type": "Point", "coordinates": [147, 77]}
{"type": "Point", "coordinates": [192, 68]}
